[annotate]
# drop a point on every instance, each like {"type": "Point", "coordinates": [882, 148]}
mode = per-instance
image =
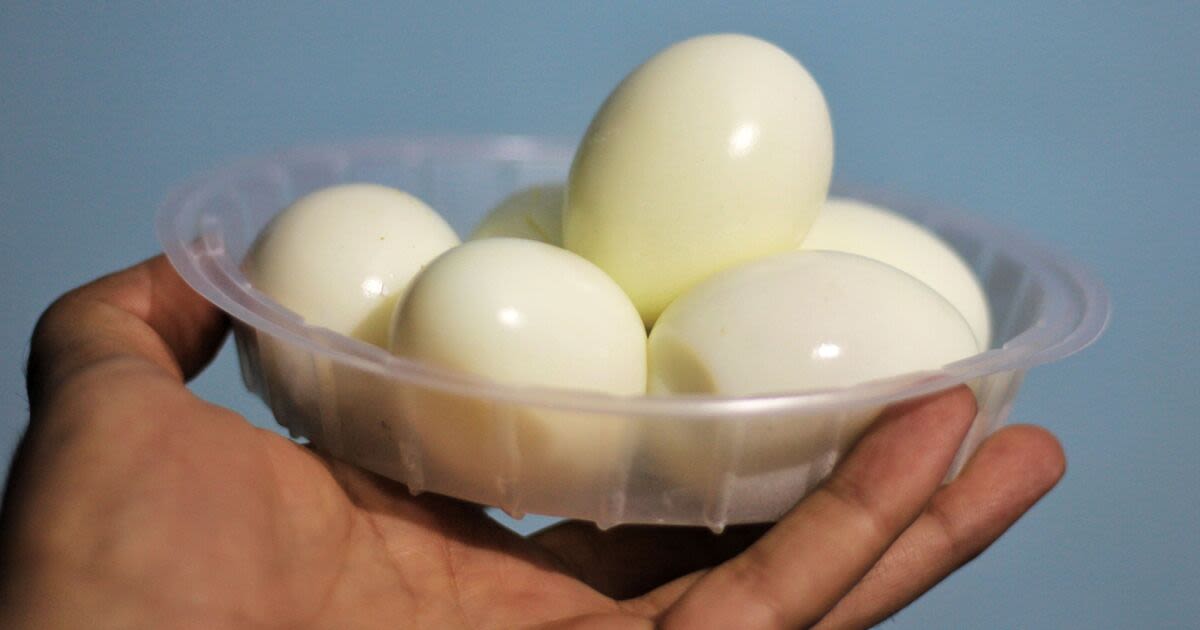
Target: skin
{"type": "Point", "coordinates": [133, 503]}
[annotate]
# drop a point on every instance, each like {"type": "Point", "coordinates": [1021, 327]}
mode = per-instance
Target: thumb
{"type": "Point", "coordinates": [145, 313]}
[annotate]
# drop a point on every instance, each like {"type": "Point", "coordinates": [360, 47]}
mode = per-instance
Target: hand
{"type": "Point", "coordinates": [133, 503]}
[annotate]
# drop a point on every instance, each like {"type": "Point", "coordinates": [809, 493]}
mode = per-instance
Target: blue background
{"type": "Point", "coordinates": [1079, 126]}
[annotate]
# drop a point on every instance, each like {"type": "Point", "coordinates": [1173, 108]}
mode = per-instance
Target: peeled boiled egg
{"type": "Point", "coordinates": [519, 312]}
{"type": "Point", "coordinates": [857, 227]}
{"type": "Point", "coordinates": [716, 151]}
{"type": "Point", "coordinates": [533, 213]}
{"type": "Point", "coordinates": [524, 313]}
{"type": "Point", "coordinates": [342, 256]}
{"type": "Point", "coordinates": [797, 321]}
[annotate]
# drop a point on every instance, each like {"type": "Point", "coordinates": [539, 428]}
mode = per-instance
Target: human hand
{"type": "Point", "coordinates": [133, 503]}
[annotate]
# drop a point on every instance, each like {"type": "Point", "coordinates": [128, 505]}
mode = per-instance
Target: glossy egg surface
{"type": "Point", "coordinates": [716, 151]}
{"type": "Point", "coordinates": [800, 321]}
{"type": "Point", "coordinates": [342, 256]}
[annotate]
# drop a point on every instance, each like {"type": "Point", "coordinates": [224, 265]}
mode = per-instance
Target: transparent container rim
{"type": "Point", "coordinates": [1075, 310]}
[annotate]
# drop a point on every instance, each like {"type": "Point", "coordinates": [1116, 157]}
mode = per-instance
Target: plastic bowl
{"type": "Point", "coordinates": [690, 460]}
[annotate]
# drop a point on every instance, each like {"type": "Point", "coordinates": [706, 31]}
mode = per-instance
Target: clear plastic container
{"type": "Point", "coordinates": [691, 460]}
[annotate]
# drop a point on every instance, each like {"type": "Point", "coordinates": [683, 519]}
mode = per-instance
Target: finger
{"type": "Point", "coordinates": [628, 561]}
{"type": "Point", "coordinates": [811, 558]}
{"type": "Point", "coordinates": [146, 312]}
{"type": "Point", "coordinates": [1010, 472]}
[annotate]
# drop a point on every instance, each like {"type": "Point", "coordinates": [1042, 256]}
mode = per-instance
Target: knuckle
{"type": "Point", "coordinates": [763, 607]}
{"type": "Point", "coordinates": [949, 538]}
{"type": "Point", "coordinates": [859, 510]}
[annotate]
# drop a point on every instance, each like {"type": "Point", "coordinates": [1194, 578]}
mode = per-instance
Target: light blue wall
{"type": "Point", "coordinates": [1080, 126]}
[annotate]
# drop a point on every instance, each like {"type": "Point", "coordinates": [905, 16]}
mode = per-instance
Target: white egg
{"type": "Point", "coordinates": [715, 152]}
{"type": "Point", "coordinates": [857, 227]}
{"type": "Point", "coordinates": [523, 313]}
{"type": "Point", "coordinates": [803, 321]}
{"type": "Point", "coordinates": [342, 256]}
{"type": "Point", "coordinates": [533, 213]}
{"type": "Point", "coordinates": [792, 322]}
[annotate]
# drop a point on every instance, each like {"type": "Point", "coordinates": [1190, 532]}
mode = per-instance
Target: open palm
{"type": "Point", "coordinates": [133, 503]}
